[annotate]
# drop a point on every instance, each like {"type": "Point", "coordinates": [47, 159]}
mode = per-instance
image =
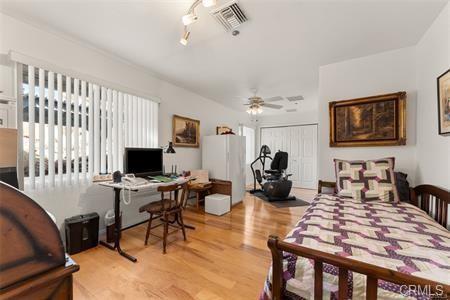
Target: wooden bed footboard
{"type": "Point", "coordinates": [373, 273]}
{"type": "Point", "coordinates": [433, 200]}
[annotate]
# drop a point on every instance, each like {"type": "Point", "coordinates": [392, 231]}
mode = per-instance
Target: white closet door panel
{"type": "Point", "coordinates": [308, 164]}
{"type": "Point", "coordinates": [294, 155]}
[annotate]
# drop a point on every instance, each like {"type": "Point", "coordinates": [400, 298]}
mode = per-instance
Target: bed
{"type": "Point", "coordinates": [348, 249]}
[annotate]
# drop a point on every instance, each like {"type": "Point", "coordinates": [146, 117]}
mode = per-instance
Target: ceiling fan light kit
{"type": "Point", "coordinates": [254, 110]}
{"type": "Point", "coordinates": [256, 103]}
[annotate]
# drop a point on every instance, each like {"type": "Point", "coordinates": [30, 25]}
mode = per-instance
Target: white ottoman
{"type": "Point", "coordinates": [217, 204]}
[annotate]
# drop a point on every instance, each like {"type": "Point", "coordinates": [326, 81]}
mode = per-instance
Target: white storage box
{"type": "Point", "coordinates": [217, 204]}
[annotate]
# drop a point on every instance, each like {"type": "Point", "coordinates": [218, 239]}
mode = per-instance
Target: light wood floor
{"type": "Point", "coordinates": [224, 258]}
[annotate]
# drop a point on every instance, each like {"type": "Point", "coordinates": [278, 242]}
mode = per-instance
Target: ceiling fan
{"type": "Point", "coordinates": [256, 103]}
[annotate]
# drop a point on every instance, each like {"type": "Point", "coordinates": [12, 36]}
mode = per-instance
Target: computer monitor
{"type": "Point", "coordinates": [143, 162]}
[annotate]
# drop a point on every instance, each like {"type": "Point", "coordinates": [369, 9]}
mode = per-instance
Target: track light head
{"type": "Point", "coordinates": [209, 3]}
{"type": "Point", "coordinates": [184, 39]}
{"type": "Point", "coordinates": [189, 19]}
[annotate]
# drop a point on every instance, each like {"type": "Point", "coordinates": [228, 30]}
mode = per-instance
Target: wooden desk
{"type": "Point", "coordinates": [117, 187]}
{"type": "Point", "coordinates": [199, 189]}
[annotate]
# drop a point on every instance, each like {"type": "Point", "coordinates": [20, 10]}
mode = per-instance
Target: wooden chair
{"type": "Point", "coordinates": [165, 209]}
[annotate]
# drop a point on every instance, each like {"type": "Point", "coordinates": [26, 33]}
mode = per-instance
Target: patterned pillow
{"type": "Point", "coordinates": [366, 180]}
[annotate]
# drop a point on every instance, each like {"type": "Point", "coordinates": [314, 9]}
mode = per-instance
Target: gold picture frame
{"type": "Point", "coordinates": [185, 132]}
{"type": "Point", "coordinates": [370, 121]}
{"type": "Point", "coordinates": [443, 93]}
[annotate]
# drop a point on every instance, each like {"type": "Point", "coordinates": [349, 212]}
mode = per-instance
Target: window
{"type": "Point", "coordinates": [249, 134]}
{"type": "Point", "coordinates": [73, 129]}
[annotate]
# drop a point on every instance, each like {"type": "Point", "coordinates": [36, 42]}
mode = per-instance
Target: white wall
{"type": "Point", "coordinates": [382, 73]}
{"type": "Point", "coordinates": [432, 59]}
{"type": "Point", "coordinates": [66, 53]}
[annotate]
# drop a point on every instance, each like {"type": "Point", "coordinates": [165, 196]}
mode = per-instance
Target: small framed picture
{"type": "Point", "coordinates": [185, 132]}
{"type": "Point", "coordinates": [443, 93]}
{"type": "Point", "coordinates": [223, 130]}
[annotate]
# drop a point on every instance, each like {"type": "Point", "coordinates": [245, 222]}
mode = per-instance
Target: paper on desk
{"type": "Point", "coordinates": [201, 176]}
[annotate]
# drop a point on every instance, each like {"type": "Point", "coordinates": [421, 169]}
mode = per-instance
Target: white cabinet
{"type": "Point", "coordinates": [6, 82]}
{"type": "Point", "coordinates": [7, 101]}
{"type": "Point", "coordinates": [224, 158]}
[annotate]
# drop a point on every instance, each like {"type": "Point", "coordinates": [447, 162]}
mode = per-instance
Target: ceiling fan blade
{"type": "Point", "coordinates": [274, 106]}
{"type": "Point", "coordinates": [273, 99]}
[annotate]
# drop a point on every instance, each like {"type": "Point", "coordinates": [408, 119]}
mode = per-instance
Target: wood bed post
{"type": "Point", "coordinates": [277, 267]}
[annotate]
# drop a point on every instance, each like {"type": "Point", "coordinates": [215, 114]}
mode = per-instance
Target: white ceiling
{"type": "Point", "coordinates": [278, 51]}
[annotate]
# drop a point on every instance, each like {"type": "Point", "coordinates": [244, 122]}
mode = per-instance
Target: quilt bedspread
{"type": "Point", "coordinates": [397, 236]}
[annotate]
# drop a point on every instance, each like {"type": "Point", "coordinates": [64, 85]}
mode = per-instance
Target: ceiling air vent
{"type": "Point", "coordinates": [229, 16]}
{"type": "Point", "coordinates": [295, 98]}
{"type": "Point", "coordinates": [291, 110]}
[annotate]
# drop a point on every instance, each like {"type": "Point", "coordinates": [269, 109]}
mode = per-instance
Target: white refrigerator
{"type": "Point", "coordinates": [224, 157]}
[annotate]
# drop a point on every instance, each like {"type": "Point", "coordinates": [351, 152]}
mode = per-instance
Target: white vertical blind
{"type": "Point", "coordinates": [135, 122]}
{"type": "Point", "coordinates": [120, 128]}
{"type": "Point", "coordinates": [59, 84]}
{"type": "Point", "coordinates": [83, 130]}
{"type": "Point", "coordinates": [96, 161]}
{"type": "Point", "coordinates": [129, 133]}
{"type": "Point", "coordinates": [140, 123]}
{"type": "Point", "coordinates": [82, 127]}
{"type": "Point", "coordinates": [115, 131]}
{"type": "Point", "coordinates": [103, 132]}
{"type": "Point", "coordinates": [41, 127]}
{"type": "Point", "coordinates": [68, 130]}
{"type": "Point", "coordinates": [109, 131]}
{"type": "Point", "coordinates": [76, 130]}
{"type": "Point", "coordinates": [91, 130]}
{"type": "Point", "coordinates": [145, 125]}
{"type": "Point", "coordinates": [31, 128]}
{"type": "Point", "coordinates": [154, 126]}
{"type": "Point", "coordinates": [51, 128]}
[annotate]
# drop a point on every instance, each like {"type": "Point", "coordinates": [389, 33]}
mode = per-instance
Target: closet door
{"type": "Point", "coordinates": [300, 142]}
{"type": "Point", "coordinates": [294, 154]}
{"type": "Point", "coordinates": [308, 159]}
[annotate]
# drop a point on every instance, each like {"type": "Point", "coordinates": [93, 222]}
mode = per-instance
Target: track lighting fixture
{"type": "Point", "coordinates": [190, 17]}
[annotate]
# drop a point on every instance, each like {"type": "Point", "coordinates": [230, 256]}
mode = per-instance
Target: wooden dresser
{"type": "Point", "coordinates": [33, 264]}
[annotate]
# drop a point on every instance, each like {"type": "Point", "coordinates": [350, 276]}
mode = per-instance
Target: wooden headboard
{"type": "Point", "coordinates": [32, 260]}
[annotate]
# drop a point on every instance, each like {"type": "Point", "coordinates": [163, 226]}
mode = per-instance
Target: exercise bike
{"type": "Point", "coordinates": [274, 183]}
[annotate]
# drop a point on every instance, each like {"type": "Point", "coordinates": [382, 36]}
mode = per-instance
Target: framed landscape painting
{"type": "Point", "coordinates": [443, 92]}
{"type": "Point", "coordinates": [185, 132]}
{"type": "Point", "coordinates": [371, 121]}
